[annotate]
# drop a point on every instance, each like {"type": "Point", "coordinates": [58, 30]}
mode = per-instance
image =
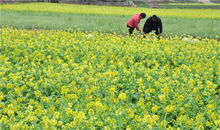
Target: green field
{"type": "Point", "coordinates": [180, 5]}
{"type": "Point", "coordinates": [189, 6]}
{"type": "Point", "coordinates": [110, 19]}
{"type": "Point", "coordinates": [106, 23]}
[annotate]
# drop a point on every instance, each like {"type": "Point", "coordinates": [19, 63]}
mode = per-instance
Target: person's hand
{"type": "Point", "coordinates": [142, 33]}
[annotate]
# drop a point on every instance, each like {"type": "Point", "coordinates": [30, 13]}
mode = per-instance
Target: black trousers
{"type": "Point", "coordinates": [130, 29]}
{"type": "Point", "coordinates": [150, 30]}
{"type": "Point", "coordinates": [146, 31]}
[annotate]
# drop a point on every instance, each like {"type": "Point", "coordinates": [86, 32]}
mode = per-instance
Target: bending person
{"type": "Point", "coordinates": [153, 23]}
{"type": "Point", "coordinates": [134, 21]}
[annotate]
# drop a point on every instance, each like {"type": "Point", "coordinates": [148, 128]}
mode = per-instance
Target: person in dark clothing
{"type": "Point", "coordinates": [153, 23]}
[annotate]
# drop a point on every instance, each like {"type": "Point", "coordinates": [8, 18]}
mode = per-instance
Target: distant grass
{"type": "Point", "coordinates": [105, 23]}
{"type": "Point", "coordinates": [143, 5]}
{"type": "Point", "coordinates": [186, 0]}
{"type": "Point", "coordinates": [111, 10]}
{"type": "Point", "coordinates": [215, 1]}
{"type": "Point", "coordinates": [189, 6]}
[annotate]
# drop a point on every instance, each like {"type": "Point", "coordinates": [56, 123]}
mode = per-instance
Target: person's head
{"type": "Point", "coordinates": [154, 18]}
{"type": "Point", "coordinates": [143, 15]}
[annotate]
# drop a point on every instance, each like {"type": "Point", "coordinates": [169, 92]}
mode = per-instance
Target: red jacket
{"type": "Point", "coordinates": [134, 21]}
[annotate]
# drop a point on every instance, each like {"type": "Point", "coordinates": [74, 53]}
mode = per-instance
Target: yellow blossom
{"type": "Point", "coordinates": [169, 108]}
{"type": "Point", "coordinates": [122, 96]}
{"type": "Point", "coordinates": [155, 108]}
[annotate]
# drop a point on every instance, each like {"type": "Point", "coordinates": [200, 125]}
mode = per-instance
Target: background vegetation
{"type": "Point", "coordinates": [48, 16]}
{"type": "Point", "coordinates": [189, 6]}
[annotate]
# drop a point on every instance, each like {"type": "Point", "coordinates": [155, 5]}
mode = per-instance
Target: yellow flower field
{"type": "Point", "coordinates": [109, 10]}
{"type": "Point", "coordinates": [72, 79]}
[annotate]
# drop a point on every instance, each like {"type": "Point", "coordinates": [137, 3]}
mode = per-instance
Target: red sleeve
{"type": "Point", "coordinates": [136, 22]}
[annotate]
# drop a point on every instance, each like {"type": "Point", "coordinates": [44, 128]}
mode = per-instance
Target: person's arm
{"type": "Point", "coordinates": [136, 22]}
{"type": "Point", "coordinates": [160, 26]}
{"type": "Point", "coordinates": [146, 24]}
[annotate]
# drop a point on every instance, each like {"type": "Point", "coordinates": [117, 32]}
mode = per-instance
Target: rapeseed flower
{"type": "Point", "coordinates": [122, 96]}
{"type": "Point", "coordinates": [53, 79]}
{"type": "Point", "coordinates": [108, 10]}
{"type": "Point", "coordinates": [169, 108]}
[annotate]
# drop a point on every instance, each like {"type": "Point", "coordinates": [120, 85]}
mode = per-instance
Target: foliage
{"type": "Point", "coordinates": [72, 79]}
{"type": "Point", "coordinates": [107, 10]}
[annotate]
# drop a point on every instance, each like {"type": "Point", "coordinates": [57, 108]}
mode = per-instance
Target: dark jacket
{"type": "Point", "coordinates": [153, 25]}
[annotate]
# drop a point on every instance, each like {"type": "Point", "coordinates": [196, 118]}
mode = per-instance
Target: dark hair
{"type": "Point", "coordinates": [143, 15]}
{"type": "Point", "coordinates": [154, 16]}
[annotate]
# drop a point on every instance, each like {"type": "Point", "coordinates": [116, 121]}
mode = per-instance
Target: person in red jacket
{"type": "Point", "coordinates": [134, 21]}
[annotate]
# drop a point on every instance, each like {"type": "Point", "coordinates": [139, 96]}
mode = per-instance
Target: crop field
{"type": "Point", "coordinates": [75, 78]}
{"type": "Point", "coordinates": [110, 10]}
{"type": "Point", "coordinates": [195, 22]}
{"type": "Point", "coordinates": [57, 79]}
